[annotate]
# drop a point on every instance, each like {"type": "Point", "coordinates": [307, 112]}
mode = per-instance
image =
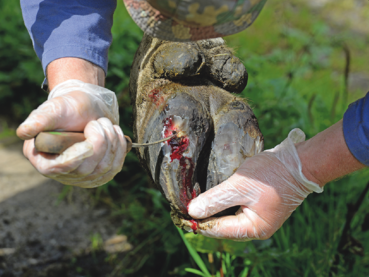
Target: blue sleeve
{"type": "Point", "coordinates": [70, 28]}
{"type": "Point", "coordinates": [356, 129]}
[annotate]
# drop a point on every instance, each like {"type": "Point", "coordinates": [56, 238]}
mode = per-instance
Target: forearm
{"type": "Point", "coordinates": [64, 69]}
{"type": "Point", "coordinates": [326, 157]}
{"type": "Point", "coordinates": [69, 33]}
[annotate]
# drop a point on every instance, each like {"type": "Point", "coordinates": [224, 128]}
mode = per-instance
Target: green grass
{"type": "Point", "coordinates": [5, 131]}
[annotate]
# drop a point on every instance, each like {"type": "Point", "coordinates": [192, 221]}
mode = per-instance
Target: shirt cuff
{"type": "Point", "coordinates": [356, 129]}
{"type": "Point", "coordinates": [74, 51]}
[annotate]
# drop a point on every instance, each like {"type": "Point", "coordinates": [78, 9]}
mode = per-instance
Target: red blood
{"type": "Point", "coordinates": [179, 146]}
{"type": "Point", "coordinates": [186, 174]}
{"type": "Point", "coordinates": [168, 127]}
{"type": "Point", "coordinates": [188, 204]}
{"type": "Point", "coordinates": [154, 95]}
{"type": "Point", "coordinates": [194, 225]}
{"type": "Point", "coordinates": [193, 194]}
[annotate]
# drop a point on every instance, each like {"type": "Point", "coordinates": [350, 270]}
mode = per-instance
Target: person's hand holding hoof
{"type": "Point", "coordinates": [268, 188]}
{"type": "Point", "coordinates": [77, 106]}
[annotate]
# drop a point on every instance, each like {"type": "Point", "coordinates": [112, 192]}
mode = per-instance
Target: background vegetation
{"type": "Point", "coordinates": [299, 62]}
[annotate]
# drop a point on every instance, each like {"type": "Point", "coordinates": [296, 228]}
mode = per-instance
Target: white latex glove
{"type": "Point", "coordinates": [268, 188]}
{"type": "Point", "coordinates": [77, 106]}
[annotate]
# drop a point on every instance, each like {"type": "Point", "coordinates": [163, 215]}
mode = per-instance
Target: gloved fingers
{"type": "Point", "coordinates": [272, 178]}
{"type": "Point", "coordinates": [122, 150]}
{"type": "Point", "coordinates": [51, 164]}
{"type": "Point", "coordinates": [113, 141]}
{"type": "Point", "coordinates": [237, 190]}
{"type": "Point", "coordinates": [93, 183]}
{"type": "Point", "coordinates": [70, 112]}
{"type": "Point", "coordinates": [45, 117]}
{"type": "Point", "coordinates": [246, 225]}
{"type": "Point", "coordinates": [79, 155]}
{"type": "Point", "coordinates": [105, 172]}
{"type": "Point", "coordinates": [29, 148]}
{"type": "Point", "coordinates": [116, 165]}
{"type": "Point", "coordinates": [268, 187]}
{"type": "Point", "coordinates": [110, 164]}
{"type": "Point", "coordinates": [119, 149]}
{"type": "Point", "coordinates": [257, 179]}
{"type": "Point", "coordinates": [96, 135]}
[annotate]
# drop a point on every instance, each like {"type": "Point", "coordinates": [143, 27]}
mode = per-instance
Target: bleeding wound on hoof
{"type": "Point", "coordinates": [183, 89]}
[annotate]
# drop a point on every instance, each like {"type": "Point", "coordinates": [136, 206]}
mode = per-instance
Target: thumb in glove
{"type": "Point", "coordinates": [268, 188]}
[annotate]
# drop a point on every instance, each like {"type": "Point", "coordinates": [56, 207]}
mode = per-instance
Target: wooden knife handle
{"type": "Point", "coordinates": [57, 142]}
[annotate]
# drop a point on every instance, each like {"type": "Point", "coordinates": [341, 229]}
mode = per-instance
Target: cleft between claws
{"type": "Point", "coordinates": [177, 149]}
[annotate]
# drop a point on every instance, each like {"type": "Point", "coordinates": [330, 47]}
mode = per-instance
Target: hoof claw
{"type": "Point", "coordinates": [182, 89]}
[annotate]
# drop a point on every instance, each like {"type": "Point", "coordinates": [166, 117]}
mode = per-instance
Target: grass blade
{"type": "Point", "coordinates": [244, 272]}
{"type": "Point", "coordinates": [194, 254]}
{"type": "Point", "coordinates": [195, 271]}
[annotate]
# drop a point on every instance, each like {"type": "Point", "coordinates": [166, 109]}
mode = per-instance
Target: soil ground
{"type": "Point", "coordinates": [39, 235]}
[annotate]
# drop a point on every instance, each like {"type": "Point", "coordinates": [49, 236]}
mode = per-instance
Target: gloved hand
{"type": "Point", "coordinates": [77, 106]}
{"type": "Point", "coordinates": [268, 188]}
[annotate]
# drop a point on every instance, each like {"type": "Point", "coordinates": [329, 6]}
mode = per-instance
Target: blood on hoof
{"type": "Point", "coordinates": [175, 125]}
{"type": "Point", "coordinates": [193, 194]}
{"type": "Point", "coordinates": [194, 225]}
{"type": "Point", "coordinates": [187, 173]}
{"type": "Point", "coordinates": [155, 97]}
{"type": "Point", "coordinates": [178, 145]}
{"type": "Point", "coordinates": [193, 221]}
